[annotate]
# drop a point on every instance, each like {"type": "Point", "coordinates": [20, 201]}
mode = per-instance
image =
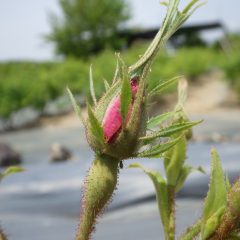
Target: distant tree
{"type": "Point", "coordinates": [87, 26]}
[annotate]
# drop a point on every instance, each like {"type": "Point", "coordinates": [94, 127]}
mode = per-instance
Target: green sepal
{"type": "Point", "coordinates": [92, 90]}
{"type": "Point", "coordinates": [116, 73]}
{"type": "Point", "coordinates": [161, 194]}
{"type": "Point", "coordinates": [216, 199]}
{"type": "Point", "coordinates": [159, 119]}
{"type": "Point", "coordinates": [168, 131]}
{"type": "Point", "coordinates": [104, 102]}
{"type": "Point", "coordinates": [157, 150]}
{"type": "Point", "coordinates": [122, 68]}
{"type": "Point", "coordinates": [106, 84]}
{"type": "Point", "coordinates": [76, 107]}
{"type": "Point", "coordinates": [11, 170]}
{"type": "Point", "coordinates": [162, 86]}
{"type": "Point", "coordinates": [95, 126]}
{"type": "Point", "coordinates": [125, 97]}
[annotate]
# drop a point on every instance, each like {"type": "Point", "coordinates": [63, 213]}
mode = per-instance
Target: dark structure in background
{"type": "Point", "coordinates": [185, 36]}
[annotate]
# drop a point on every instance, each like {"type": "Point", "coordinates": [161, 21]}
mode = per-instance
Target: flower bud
{"type": "Point", "coordinates": [120, 136]}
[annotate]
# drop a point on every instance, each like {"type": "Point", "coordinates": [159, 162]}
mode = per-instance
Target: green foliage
{"type": "Point", "coordinates": [87, 26]}
{"type": "Point", "coordinates": [231, 62]}
{"type": "Point", "coordinates": [34, 84]}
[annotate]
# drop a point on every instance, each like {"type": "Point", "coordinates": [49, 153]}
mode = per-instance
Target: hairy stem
{"type": "Point", "coordinates": [98, 190]}
{"type": "Point", "coordinates": [171, 197]}
{"type": "Point", "coordinates": [192, 232]}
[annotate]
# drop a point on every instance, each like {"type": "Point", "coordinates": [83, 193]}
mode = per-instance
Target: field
{"type": "Point", "coordinates": [34, 84]}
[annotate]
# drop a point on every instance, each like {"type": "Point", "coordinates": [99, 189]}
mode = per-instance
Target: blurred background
{"type": "Point", "coordinates": [50, 44]}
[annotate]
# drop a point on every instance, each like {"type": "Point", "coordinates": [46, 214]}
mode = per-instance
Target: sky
{"type": "Point", "coordinates": [24, 23]}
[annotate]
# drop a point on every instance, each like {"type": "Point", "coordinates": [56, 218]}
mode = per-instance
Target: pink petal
{"type": "Point", "coordinates": [112, 121]}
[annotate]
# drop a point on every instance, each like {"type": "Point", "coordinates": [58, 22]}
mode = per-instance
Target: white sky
{"type": "Point", "coordinates": [23, 23]}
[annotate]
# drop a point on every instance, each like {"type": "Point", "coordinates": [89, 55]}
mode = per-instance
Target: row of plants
{"type": "Point", "coordinates": [34, 84]}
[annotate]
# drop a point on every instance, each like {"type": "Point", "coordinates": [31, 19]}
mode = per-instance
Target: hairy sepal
{"type": "Point", "coordinates": [76, 107]}
{"type": "Point", "coordinates": [94, 131]}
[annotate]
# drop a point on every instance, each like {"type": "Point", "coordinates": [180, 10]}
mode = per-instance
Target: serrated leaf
{"type": "Point", "coordinates": [161, 194]}
{"type": "Point", "coordinates": [92, 90]}
{"type": "Point", "coordinates": [125, 97]}
{"type": "Point", "coordinates": [216, 198]}
{"type": "Point", "coordinates": [156, 150]}
{"type": "Point", "coordinates": [168, 131]}
{"type": "Point", "coordinates": [76, 107]}
{"type": "Point", "coordinates": [157, 120]}
{"type": "Point", "coordinates": [11, 170]}
{"type": "Point", "coordinates": [159, 88]}
{"type": "Point", "coordinates": [95, 126]}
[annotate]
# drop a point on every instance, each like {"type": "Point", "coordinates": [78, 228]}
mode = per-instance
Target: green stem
{"type": "Point", "coordinates": [192, 231]}
{"type": "Point", "coordinates": [171, 197]}
{"type": "Point", "coordinates": [98, 190]}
